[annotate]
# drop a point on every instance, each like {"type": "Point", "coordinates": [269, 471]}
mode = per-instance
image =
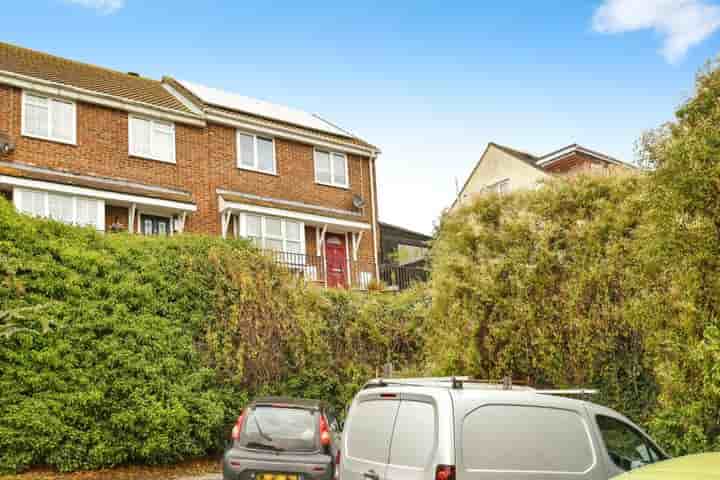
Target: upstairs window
{"type": "Point", "coordinates": [48, 118]}
{"type": "Point", "coordinates": [151, 139]}
{"type": "Point", "coordinates": [331, 168]}
{"type": "Point", "coordinates": [255, 153]}
{"type": "Point", "coordinates": [501, 188]}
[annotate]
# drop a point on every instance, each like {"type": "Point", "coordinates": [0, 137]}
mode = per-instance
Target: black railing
{"type": "Point", "coordinates": [400, 277]}
{"type": "Point", "coordinates": [310, 267]}
{"type": "Point", "coordinates": [359, 274]}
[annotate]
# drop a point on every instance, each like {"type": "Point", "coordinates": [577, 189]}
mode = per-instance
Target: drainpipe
{"type": "Point", "coordinates": [374, 214]}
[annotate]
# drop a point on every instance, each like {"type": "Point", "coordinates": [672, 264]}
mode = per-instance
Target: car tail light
{"type": "Point", "coordinates": [445, 472]}
{"type": "Point", "coordinates": [237, 428]}
{"type": "Point", "coordinates": [324, 432]}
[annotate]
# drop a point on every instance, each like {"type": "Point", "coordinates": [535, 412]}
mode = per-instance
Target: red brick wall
{"type": "Point", "coordinates": [205, 157]}
{"type": "Point", "coordinates": [577, 164]}
{"type": "Point", "coordinates": [295, 180]}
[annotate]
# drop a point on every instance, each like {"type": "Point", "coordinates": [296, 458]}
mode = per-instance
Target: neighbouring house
{"type": "Point", "coordinates": [403, 256]}
{"type": "Point", "coordinates": [120, 152]}
{"type": "Point", "coordinates": [503, 169]}
{"type": "Point", "coordinates": [401, 246]}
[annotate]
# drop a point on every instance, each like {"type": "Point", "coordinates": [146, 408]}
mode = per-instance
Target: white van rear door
{"type": "Point", "coordinates": [414, 441]}
{"type": "Point", "coordinates": [367, 437]}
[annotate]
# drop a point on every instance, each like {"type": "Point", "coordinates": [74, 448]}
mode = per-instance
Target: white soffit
{"type": "Point", "coordinates": [233, 101]}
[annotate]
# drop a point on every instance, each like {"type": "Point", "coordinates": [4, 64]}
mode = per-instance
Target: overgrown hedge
{"type": "Point", "coordinates": [611, 283]}
{"type": "Point", "coordinates": [154, 344]}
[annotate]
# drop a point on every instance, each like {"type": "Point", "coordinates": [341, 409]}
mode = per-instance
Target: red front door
{"type": "Point", "coordinates": [336, 261]}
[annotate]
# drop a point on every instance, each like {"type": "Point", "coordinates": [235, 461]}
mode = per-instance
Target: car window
{"type": "Point", "coordinates": [627, 448]}
{"type": "Point", "coordinates": [523, 438]}
{"type": "Point", "coordinates": [368, 430]}
{"type": "Point", "coordinates": [414, 435]}
{"type": "Point", "coordinates": [281, 428]}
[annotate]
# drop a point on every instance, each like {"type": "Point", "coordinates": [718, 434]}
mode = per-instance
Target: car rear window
{"type": "Point", "coordinates": [280, 428]}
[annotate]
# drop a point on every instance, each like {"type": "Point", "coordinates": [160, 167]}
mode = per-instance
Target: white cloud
{"type": "Point", "coordinates": [105, 7]}
{"type": "Point", "coordinates": [682, 23]}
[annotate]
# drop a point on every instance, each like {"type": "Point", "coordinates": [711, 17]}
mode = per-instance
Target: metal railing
{"type": "Point", "coordinates": [357, 274]}
{"type": "Point", "coordinates": [310, 267]}
{"type": "Point", "coordinates": [400, 277]}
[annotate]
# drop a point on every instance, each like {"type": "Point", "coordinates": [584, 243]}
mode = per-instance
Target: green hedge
{"type": "Point", "coordinates": [155, 344]}
{"type": "Point", "coordinates": [611, 283]}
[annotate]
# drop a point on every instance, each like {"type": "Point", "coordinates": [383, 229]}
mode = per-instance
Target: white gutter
{"type": "Point", "coordinates": [83, 95]}
{"type": "Point", "coordinates": [100, 194]}
{"type": "Point", "coordinates": [229, 119]}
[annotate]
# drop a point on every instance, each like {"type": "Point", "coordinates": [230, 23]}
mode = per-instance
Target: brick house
{"type": "Point", "coordinates": [120, 152]}
{"type": "Point", "coordinates": [503, 169]}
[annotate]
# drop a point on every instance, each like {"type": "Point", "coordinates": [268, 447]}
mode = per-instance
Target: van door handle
{"type": "Point", "coordinates": [371, 475]}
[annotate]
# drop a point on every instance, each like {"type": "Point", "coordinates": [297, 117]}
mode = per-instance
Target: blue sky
{"type": "Point", "coordinates": [431, 83]}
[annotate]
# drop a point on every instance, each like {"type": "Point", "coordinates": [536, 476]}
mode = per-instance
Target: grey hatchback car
{"type": "Point", "coordinates": [278, 438]}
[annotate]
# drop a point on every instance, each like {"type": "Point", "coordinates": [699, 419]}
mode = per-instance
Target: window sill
{"type": "Point", "coordinates": [143, 157]}
{"type": "Point", "coordinates": [257, 170]}
{"type": "Point", "coordinates": [342, 187]}
{"type": "Point", "coordinates": [50, 139]}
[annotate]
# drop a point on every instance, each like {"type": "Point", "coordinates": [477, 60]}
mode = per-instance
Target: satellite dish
{"type": "Point", "coordinates": [358, 201]}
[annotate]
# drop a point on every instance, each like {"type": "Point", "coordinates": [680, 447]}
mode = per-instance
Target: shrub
{"type": "Point", "coordinates": [155, 344]}
{"type": "Point", "coordinates": [544, 286]}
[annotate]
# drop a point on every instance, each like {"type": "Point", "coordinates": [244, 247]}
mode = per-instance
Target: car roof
{"type": "Point", "coordinates": [703, 466]}
{"type": "Point", "coordinates": [289, 402]}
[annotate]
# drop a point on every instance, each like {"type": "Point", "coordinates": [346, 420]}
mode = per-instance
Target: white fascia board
{"type": "Point", "coordinates": [223, 118]}
{"type": "Point", "coordinates": [182, 99]}
{"type": "Point", "coordinates": [80, 94]}
{"type": "Point", "coordinates": [91, 192]}
{"type": "Point", "coordinates": [544, 162]}
{"type": "Point", "coordinates": [557, 155]}
{"type": "Point", "coordinates": [305, 217]}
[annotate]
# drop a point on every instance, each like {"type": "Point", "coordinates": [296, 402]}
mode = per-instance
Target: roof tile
{"type": "Point", "coordinates": [48, 67]}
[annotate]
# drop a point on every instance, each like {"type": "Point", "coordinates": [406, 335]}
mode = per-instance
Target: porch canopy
{"type": "Point", "coordinates": [324, 219]}
{"type": "Point", "coordinates": [84, 198]}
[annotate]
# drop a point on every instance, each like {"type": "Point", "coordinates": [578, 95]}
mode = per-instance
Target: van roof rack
{"type": "Point", "coordinates": [459, 383]}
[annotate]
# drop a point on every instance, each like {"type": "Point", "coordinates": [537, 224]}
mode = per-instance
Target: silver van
{"type": "Point", "coordinates": [457, 429]}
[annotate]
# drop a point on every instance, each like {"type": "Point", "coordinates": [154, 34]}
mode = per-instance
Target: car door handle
{"type": "Point", "coordinates": [371, 475]}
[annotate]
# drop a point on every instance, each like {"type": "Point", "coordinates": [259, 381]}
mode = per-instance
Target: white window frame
{"type": "Point", "coordinates": [19, 193]}
{"type": "Point", "coordinates": [242, 231]}
{"type": "Point", "coordinates": [331, 154]}
{"type": "Point", "coordinates": [256, 158]}
{"type": "Point", "coordinates": [153, 122]}
{"type": "Point", "coordinates": [501, 187]}
{"type": "Point", "coordinates": [50, 100]}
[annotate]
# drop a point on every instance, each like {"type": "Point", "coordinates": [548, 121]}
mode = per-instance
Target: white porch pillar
{"type": "Point", "coordinates": [132, 211]}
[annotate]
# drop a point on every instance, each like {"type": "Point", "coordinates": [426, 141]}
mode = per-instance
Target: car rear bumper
{"type": "Point", "coordinates": [242, 464]}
